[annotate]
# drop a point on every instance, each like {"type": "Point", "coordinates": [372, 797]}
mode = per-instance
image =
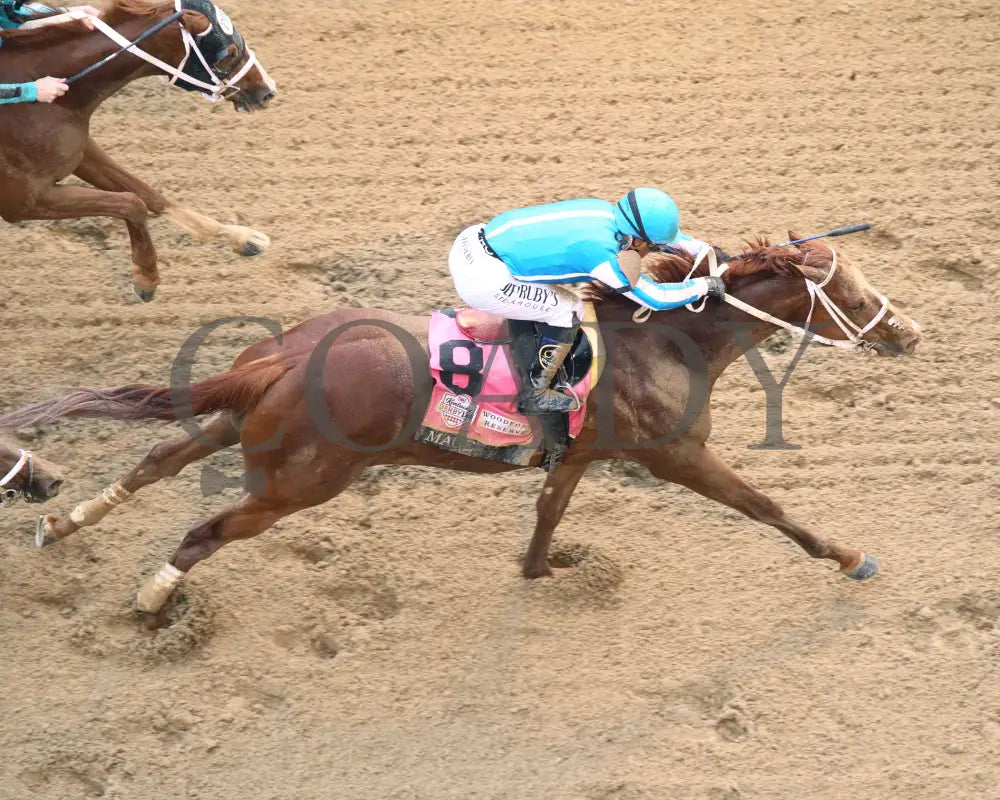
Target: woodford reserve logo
{"type": "Point", "coordinates": [501, 424]}
{"type": "Point", "coordinates": [457, 410]}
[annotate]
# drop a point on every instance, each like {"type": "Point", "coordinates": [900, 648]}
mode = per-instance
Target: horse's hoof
{"type": "Point", "coordinates": [146, 295]}
{"type": "Point", "coordinates": [533, 572]}
{"type": "Point", "coordinates": [152, 622]}
{"type": "Point", "coordinates": [44, 535]}
{"type": "Point", "coordinates": [868, 568]}
{"type": "Point", "coordinates": [255, 245]}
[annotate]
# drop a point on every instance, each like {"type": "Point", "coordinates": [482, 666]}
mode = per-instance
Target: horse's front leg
{"type": "Point", "coordinates": [551, 505]}
{"type": "Point", "coordinates": [73, 202]}
{"type": "Point", "coordinates": [100, 170]}
{"type": "Point", "coordinates": [697, 467]}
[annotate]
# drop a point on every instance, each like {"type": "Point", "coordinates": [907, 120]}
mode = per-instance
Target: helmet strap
{"type": "Point", "coordinates": [636, 220]}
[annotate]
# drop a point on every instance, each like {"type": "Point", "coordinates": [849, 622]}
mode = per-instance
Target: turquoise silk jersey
{"type": "Point", "coordinates": [571, 241]}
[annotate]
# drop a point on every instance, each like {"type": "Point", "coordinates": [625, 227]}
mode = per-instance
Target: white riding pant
{"type": "Point", "coordinates": [484, 282]}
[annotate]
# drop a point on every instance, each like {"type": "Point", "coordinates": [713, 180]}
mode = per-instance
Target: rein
{"type": "Point", "coordinates": [219, 89]}
{"type": "Point", "coordinates": [9, 496]}
{"type": "Point", "coordinates": [854, 334]}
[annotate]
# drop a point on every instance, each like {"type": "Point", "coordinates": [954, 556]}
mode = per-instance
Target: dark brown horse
{"type": "Point", "coordinates": [372, 386]}
{"type": "Point", "coordinates": [41, 144]}
{"type": "Point", "coordinates": [25, 474]}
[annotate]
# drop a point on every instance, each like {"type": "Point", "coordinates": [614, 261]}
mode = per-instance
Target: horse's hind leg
{"type": "Point", "coordinates": [249, 517]}
{"type": "Point", "coordinates": [98, 169]}
{"type": "Point", "coordinates": [164, 460]}
{"type": "Point", "coordinates": [700, 469]}
{"type": "Point", "coordinates": [551, 505]}
{"type": "Point", "coordinates": [245, 520]}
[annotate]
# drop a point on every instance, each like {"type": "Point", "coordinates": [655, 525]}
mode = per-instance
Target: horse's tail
{"type": "Point", "coordinates": [239, 390]}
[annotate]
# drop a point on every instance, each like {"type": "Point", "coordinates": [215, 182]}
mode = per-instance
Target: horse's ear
{"type": "Point", "coordinates": [195, 22]}
{"type": "Point", "coordinates": [792, 236]}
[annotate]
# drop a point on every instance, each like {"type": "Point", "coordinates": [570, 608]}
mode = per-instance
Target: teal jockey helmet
{"type": "Point", "coordinates": [648, 214]}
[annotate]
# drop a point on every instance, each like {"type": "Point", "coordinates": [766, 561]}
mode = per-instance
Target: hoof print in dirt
{"type": "Point", "coordinates": [372, 600]}
{"type": "Point", "coordinates": [581, 572]}
{"type": "Point", "coordinates": [734, 724]}
{"type": "Point", "coordinates": [184, 624]}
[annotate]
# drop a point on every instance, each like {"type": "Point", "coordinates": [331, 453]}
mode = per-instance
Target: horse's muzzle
{"type": "Point", "coordinates": [253, 100]}
{"type": "Point", "coordinates": [42, 489]}
{"type": "Point", "coordinates": [904, 346]}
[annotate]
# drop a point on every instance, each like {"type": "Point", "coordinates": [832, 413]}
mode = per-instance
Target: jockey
{"type": "Point", "coordinates": [509, 267]}
{"type": "Point", "coordinates": [14, 14]}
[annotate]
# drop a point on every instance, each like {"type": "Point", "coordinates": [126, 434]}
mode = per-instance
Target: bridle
{"type": "Point", "coordinates": [10, 496]}
{"type": "Point", "coordinates": [854, 335]}
{"type": "Point", "coordinates": [223, 85]}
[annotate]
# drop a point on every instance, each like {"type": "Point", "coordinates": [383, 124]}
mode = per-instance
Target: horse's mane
{"type": "Point", "coordinates": [759, 257]}
{"type": "Point", "coordinates": [50, 34]}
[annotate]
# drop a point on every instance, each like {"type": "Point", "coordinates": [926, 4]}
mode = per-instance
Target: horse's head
{"type": "Point", "coordinates": [22, 473]}
{"type": "Point", "coordinates": [846, 307]}
{"type": "Point", "coordinates": [818, 289]}
{"type": "Point", "coordinates": [218, 55]}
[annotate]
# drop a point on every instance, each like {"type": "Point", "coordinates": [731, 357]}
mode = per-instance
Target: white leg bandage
{"type": "Point", "coordinates": [157, 589]}
{"type": "Point", "coordinates": [90, 512]}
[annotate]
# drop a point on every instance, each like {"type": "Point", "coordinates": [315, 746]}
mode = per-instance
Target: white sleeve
{"type": "Point", "coordinates": [692, 245]}
{"type": "Point", "coordinates": [610, 275]}
{"type": "Point", "coordinates": [664, 296]}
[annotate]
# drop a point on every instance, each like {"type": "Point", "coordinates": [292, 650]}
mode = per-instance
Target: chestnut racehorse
{"type": "Point", "coordinates": [26, 475]}
{"type": "Point", "coordinates": [366, 371]}
{"type": "Point", "coordinates": [41, 144]}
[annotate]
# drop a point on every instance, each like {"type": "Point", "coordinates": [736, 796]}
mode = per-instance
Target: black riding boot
{"type": "Point", "coordinates": [539, 365]}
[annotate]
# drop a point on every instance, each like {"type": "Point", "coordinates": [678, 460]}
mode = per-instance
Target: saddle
{"type": "Point", "coordinates": [491, 329]}
{"type": "Point", "coordinates": [473, 407]}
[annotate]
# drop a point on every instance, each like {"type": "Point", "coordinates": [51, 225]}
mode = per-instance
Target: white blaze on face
{"type": "Point", "coordinates": [224, 22]}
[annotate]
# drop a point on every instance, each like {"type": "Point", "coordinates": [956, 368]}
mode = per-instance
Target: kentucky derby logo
{"type": "Point", "coordinates": [457, 410]}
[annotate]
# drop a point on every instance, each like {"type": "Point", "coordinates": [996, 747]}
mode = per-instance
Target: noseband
{"type": "Point", "coordinates": [10, 496]}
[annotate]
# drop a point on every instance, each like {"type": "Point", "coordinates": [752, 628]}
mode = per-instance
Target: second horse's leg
{"type": "Point", "coordinates": [100, 170]}
{"type": "Point", "coordinates": [76, 202]}
{"type": "Point", "coordinates": [164, 460]}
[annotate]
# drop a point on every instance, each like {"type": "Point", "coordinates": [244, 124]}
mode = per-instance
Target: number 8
{"type": "Point", "coordinates": [473, 370]}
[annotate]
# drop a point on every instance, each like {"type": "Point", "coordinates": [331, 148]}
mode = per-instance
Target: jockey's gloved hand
{"type": "Point", "coordinates": [715, 288]}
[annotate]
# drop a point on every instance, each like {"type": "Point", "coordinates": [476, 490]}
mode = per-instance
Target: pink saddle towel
{"type": "Point", "coordinates": [473, 407]}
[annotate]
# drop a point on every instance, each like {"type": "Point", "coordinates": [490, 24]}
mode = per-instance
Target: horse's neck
{"type": "Point", "coordinates": [89, 48]}
{"type": "Point", "coordinates": [731, 332]}
{"type": "Point", "coordinates": [721, 333]}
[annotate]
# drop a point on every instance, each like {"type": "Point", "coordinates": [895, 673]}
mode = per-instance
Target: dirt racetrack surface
{"type": "Point", "coordinates": [384, 645]}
